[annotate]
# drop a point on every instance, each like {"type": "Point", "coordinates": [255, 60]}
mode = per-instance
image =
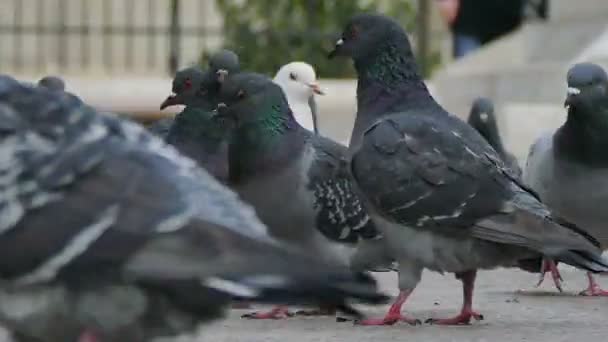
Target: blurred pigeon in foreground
{"type": "Point", "coordinates": [125, 239]}
{"type": "Point", "coordinates": [161, 127]}
{"type": "Point", "coordinates": [295, 179]}
{"type": "Point", "coordinates": [568, 168]}
{"type": "Point", "coordinates": [441, 196]}
{"type": "Point", "coordinates": [483, 119]}
{"type": "Point", "coordinates": [299, 82]}
{"type": "Point", "coordinates": [52, 83]}
{"type": "Point", "coordinates": [193, 132]}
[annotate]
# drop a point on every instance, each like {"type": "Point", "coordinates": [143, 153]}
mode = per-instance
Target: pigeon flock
{"type": "Point", "coordinates": [110, 231]}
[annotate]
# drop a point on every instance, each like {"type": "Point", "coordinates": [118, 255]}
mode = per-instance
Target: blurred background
{"type": "Point", "coordinates": [120, 55]}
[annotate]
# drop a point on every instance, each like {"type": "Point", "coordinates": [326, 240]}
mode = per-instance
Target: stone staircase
{"type": "Point", "coordinates": [524, 72]}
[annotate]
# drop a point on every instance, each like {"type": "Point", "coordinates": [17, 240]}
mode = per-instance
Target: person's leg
{"type": "Point", "coordinates": [464, 44]}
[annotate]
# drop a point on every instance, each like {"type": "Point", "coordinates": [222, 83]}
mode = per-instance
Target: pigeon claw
{"type": "Point", "coordinates": [594, 291]}
{"type": "Point", "coordinates": [389, 319]}
{"type": "Point", "coordinates": [550, 266]}
{"type": "Point", "coordinates": [464, 318]}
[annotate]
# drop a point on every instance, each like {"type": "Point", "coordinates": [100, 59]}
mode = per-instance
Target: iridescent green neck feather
{"type": "Point", "coordinates": [268, 140]}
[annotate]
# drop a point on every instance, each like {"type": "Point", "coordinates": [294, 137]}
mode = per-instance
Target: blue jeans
{"type": "Point", "coordinates": [463, 44]}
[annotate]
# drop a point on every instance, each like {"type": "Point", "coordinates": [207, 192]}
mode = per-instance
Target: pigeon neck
{"type": "Point", "coordinates": [583, 137]}
{"type": "Point", "coordinates": [266, 144]}
{"type": "Point", "coordinates": [388, 82]}
{"type": "Point", "coordinates": [392, 68]}
{"type": "Point", "coordinates": [196, 122]}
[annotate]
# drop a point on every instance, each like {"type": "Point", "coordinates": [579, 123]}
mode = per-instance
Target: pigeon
{"type": "Point", "coordinates": [54, 83]}
{"type": "Point", "coordinates": [299, 82]}
{"type": "Point", "coordinates": [107, 233]}
{"type": "Point", "coordinates": [294, 178]}
{"type": "Point", "coordinates": [567, 168]}
{"type": "Point", "coordinates": [193, 132]}
{"type": "Point", "coordinates": [483, 119]}
{"type": "Point", "coordinates": [438, 192]}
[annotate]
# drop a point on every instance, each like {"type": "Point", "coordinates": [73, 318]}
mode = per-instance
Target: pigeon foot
{"type": "Point", "coordinates": [464, 318]}
{"type": "Point", "coordinates": [551, 267]}
{"type": "Point", "coordinates": [279, 312]}
{"type": "Point", "coordinates": [594, 289]}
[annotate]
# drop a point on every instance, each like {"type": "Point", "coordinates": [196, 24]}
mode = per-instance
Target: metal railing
{"type": "Point", "coordinates": [35, 34]}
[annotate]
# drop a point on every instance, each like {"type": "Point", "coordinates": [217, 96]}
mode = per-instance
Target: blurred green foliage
{"type": "Point", "coordinates": [269, 33]}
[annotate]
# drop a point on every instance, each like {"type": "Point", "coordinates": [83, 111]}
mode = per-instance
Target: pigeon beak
{"type": "Point", "coordinates": [571, 93]}
{"type": "Point", "coordinates": [316, 89]}
{"type": "Point", "coordinates": [336, 51]}
{"type": "Point", "coordinates": [171, 100]}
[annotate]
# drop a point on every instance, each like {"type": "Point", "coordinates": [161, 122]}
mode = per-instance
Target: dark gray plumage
{"type": "Point", "coordinates": [193, 132]}
{"type": "Point", "coordinates": [441, 196]}
{"type": "Point", "coordinates": [124, 237]}
{"type": "Point", "coordinates": [483, 119]}
{"type": "Point", "coordinates": [568, 168]}
{"type": "Point", "coordinates": [295, 179]}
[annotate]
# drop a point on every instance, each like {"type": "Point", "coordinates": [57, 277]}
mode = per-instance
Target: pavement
{"type": "Point", "coordinates": [513, 311]}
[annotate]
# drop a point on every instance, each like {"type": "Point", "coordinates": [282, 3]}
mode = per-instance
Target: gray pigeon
{"type": "Point", "coordinates": [54, 83]}
{"type": "Point", "coordinates": [295, 179]}
{"type": "Point", "coordinates": [108, 234]}
{"type": "Point", "coordinates": [567, 168]}
{"type": "Point", "coordinates": [193, 132]}
{"type": "Point", "coordinates": [441, 196]}
{"type": "Point", "coordinates": [483, 119]}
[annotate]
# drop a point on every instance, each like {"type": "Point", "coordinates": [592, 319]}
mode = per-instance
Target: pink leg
{"type": "Point", "coordinates": [468, 284]}
{"type": "Point", "coordinates": [550, 266]}
{"type": "Point", "coordinates": [394, 313]}
{"type": "Point", "coordinates": [88, 336]}
{"type": "Point", "coordinates": [278, 312]}
{"type": "Point", "coordinates": [594, 288]}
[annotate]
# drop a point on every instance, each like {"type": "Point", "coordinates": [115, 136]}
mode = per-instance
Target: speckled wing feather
{"type": "Point", "coordinates": [340, 214]}
{"type": "Point", "coordinates": [417, 176]}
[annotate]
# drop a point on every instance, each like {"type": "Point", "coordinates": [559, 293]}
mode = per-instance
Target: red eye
{"type": "Point", "coordinates": [188, 83]}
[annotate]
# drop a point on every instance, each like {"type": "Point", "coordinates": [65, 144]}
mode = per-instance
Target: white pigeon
{"type": "Point", "coordinates": [299, 82]}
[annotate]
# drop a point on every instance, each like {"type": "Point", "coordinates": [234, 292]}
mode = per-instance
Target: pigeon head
{"type": "Point", "coordinates": [482, 114]}
{"type": "Point", "coordinates": [250, 97]}
{"type": "Point", "coordinates": [367, 35]}
{"type": "Point", "coordinates": [483, 119]}
{"type": "Point", "coordinates": [52, 83]}
{"type": "Point", "coordinates": [186, 85]}
{"type": "Point", "coordinates": [224, 60]}
{"type": "Point", "coordinates": [298, 80]}
{"type": "Point", "coordinates": [587, 86]}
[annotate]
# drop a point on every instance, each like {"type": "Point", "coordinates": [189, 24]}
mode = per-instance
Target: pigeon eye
{"type": "Point", "coordinates": [188, 83]}
{"type": "Point", "coordinates": [240, 94]}
{"type": "Point", "coordinates": [293, 76]}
